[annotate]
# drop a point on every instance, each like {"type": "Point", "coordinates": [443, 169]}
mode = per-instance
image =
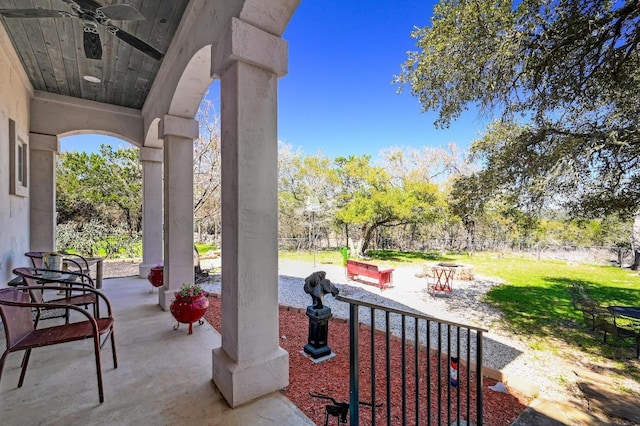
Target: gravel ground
{"type": "Point", "coordinates": [544, 374]}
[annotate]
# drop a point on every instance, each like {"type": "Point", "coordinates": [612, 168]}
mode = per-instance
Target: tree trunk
{"type": "Point", "coordinates": [635, 241]}
{"type": "Point", "coordinates": [636, 260]}
{"type": "Point", "coordinates": [365, 238]}
{"type": "Point", "coordinates": [346, 235]}
{"type": "Point", "coordinates": [470, 227]}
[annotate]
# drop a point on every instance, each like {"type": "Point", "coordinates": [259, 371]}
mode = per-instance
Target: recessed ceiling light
{"type": "Point", "coordinates": [91, 79]}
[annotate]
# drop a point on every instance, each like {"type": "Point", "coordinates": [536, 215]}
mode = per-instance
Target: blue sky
{"type": "Point", "coordinates": [338, 97]}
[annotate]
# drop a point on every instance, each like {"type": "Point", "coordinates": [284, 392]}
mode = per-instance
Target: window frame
{"type": "Point", "coordinates": [19, 162]}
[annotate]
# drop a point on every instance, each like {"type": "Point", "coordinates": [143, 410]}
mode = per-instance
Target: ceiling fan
{"type": "Point", "coordinates": [92, 14]}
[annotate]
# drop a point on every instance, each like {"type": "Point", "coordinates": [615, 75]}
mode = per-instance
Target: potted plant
{"type": "Point", "coordinates": [156, 275]}
{"type": "Point", "coordinates": [189, 305]}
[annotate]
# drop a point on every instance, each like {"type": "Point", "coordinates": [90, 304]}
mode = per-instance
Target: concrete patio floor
{"type": "Point", "coordinates": [163, 375]}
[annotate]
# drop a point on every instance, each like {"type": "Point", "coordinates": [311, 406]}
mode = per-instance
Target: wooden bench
{"type": "Point", "coordinates": [360, 269]}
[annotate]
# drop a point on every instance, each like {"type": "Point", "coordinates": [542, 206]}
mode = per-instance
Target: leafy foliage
{"type": "Point", "coordinates": [189, 291]}
{"type": "Point", "coordinates": [562, 76]}
{"type": "Point", "coordinates": [371, 199]}
{"type": "Point", "coordinates": [301, 179]}
{"type": "Point", "coordinates": [85, 240]}
{"type": "Point", "coordinates": [95, 238]}
{"type": "Point", "coordinates": [99, 201]}
{"type": "Point", "coordinates": [107, 184]}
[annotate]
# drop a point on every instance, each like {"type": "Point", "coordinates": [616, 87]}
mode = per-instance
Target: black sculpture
{"type": "Point", "coordinates": [317, 286]}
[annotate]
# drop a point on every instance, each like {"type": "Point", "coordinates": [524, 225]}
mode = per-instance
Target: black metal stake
{"type": "Point", "coordinates": [340, 410]}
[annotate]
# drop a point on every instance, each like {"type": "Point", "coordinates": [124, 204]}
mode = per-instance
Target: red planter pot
{"type": "Point", "coordinates": [156, 276]}
{"type": "Point", "coordinates": [188, 310]}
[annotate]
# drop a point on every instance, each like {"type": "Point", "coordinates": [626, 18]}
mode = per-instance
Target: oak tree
{"type": "Point", "coordinates": [561, 79]}
{"type": "Point", "coordinates": [372, 199]}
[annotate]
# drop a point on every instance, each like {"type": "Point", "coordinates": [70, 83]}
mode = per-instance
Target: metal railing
{"type": "Point", "coordinates": [440, 368]}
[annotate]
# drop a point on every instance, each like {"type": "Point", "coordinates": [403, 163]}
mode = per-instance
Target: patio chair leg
{"type": "Point", "coordinates": [25, 364]}
{"type": "Point", "coordinates": [113, 347]}
{"type": "Point", "coordinates": [113, 350]}
{"type": "Point", "coordinates": [96, 348]}
{"type": "Point", "coordinates": [2, 360]}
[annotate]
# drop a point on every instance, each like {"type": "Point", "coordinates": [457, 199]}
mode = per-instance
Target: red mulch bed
{"type": "Point", "coordinates": [332, 377]}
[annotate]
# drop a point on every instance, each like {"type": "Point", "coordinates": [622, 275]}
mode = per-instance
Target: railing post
{"type": "Point", "coordinates": [373, 366]}
{"type": "Point", "coordinates": [354, 380]}
{"type": "Point", "coordinates": [479, 401]}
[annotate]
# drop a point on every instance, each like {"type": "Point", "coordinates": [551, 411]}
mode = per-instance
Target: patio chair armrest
{"type": "Point", "coordinates": [45, 305]}
{"type": "Point", "coordinates": [79, 256]}
{"type": "Point", "coordinates": [78, 259]}
{"type": "Point", "coordinates": [84, 278]}
{"type": "Point", "coordinates": [71, 284]}
{"type": "Point", "coordinates": [75, 263]}
{"type": "Point", "coordinates": [98, 293]}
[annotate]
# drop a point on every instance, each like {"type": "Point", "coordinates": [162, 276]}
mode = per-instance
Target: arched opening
{"type": "Point", "coordinates": [207, 207]}
{"type": "Point", "coordinates": [98, 196]}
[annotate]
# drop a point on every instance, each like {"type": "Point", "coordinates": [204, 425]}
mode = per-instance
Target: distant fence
{"type": "Point", "coordinates": [571, 253]}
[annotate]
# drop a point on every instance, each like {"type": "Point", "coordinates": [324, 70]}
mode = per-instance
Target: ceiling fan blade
{"type": "Point", "coordinates": [136, 42]}
{"type": "Point", "coordinates": [33, 13]}
{"type": "Point", "coordinates": [92, 45]}
{"type": "Point", "coordinates": [122, 12]}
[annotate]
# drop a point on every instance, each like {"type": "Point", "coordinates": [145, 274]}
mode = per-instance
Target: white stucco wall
{"type": "Point", "coordinates": [15, 94]}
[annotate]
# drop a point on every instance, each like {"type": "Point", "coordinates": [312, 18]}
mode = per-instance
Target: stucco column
{"type": "Point", "coordinates": [250, 362]}
{"type": "Point", "coordinates": [151, 159]}
{"type": "Point", "coordinates": [178, 134]}
{"type": "Point", "coordinates": [42, 191]}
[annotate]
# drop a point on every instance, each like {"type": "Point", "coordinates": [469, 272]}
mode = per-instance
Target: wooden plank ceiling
{"type": "Point", "coordinates": [52, 50]}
